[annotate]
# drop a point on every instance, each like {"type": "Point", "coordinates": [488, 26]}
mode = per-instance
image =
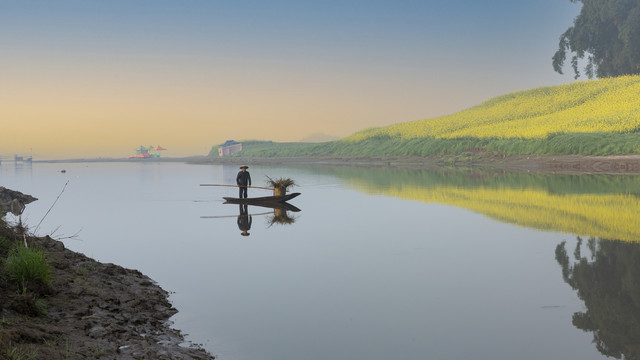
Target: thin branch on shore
{"type": "Point", "coordinates": [74, 236]}
{"type": "Point", "coordinates": [52, 205]}
{"type": "Point", "coordinates": [51, 234]}
{"type": "Point", "coordinates": [62, 237]}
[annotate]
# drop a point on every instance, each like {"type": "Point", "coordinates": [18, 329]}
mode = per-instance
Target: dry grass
{"type": "Point", "coordinates": [280, 183]}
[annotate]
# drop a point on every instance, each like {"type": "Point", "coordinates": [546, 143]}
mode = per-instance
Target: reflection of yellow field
{"type": "Point", "coordinates": [605, 105]}
{"type": "Point", "coordinates": [615, 217]}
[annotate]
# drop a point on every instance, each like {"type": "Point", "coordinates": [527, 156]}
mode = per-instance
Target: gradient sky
{"type": "Point", "coordinates": [99, 78]}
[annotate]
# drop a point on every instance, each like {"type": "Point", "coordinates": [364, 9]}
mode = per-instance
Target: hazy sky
{"type": "Point", "coordinates": [100, 78]}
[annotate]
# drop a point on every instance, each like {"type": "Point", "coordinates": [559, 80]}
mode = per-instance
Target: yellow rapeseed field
{"type": "Point", "coordinates": [607, 216]}
{"type": "Point", "coordinates": [605, 105]}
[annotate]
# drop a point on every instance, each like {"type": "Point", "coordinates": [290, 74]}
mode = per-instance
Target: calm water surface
{"type": "Point", "coordinates": [379, 264]}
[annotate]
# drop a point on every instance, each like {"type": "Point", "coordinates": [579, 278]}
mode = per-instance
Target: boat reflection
{"type": "Point", "coordinates": [281, 216]}
{"type": "Point", "coordinates": [278, 215]}
{"type": "Point", "coordinates": [272, 205]}
{"type": "Point", "coordinates": [607, 279]}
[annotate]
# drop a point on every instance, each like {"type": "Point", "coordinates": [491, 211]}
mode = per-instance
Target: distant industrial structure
{"type": "Point", "coordinates": [17, 159]}
{"type": "Point", "coordinates": [229, 147]}
{"type": "Point", "coordinates": [147, 152]}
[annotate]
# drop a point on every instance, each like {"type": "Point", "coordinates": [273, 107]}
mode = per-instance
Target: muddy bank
{"type": "Point", "coordinates": [622, 164]}
{"type": "Point", "coordinates": [90, 310]}
{"type": "Point", "coordinates": [577, 164]}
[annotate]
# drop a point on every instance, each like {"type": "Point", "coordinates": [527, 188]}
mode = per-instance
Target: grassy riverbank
{"type": "Point", "coordinates": [57, 304]}
{"type": "Point", "coordinates": [595, 144]}
{"type": "Point", "coordinates": [595, 117]}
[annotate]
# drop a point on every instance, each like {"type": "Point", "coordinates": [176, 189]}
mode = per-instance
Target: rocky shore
{"type": "Point", "coordinates": [89, 310]}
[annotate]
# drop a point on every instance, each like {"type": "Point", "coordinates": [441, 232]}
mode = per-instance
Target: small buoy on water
{"type": "Point", "coordinates": [63, 171]}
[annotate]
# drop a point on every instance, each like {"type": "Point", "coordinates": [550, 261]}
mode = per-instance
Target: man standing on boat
{"type": "Point", "coordinates": [243, 179]}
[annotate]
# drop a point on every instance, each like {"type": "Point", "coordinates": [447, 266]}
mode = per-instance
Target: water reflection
{"type": "Point", "coordinates": [607, 279]}
{"type": "Point", "coordinates": [279, 215]}
{"type": "Point", "coordinates": [605, 206]}
{"type": "Point", "coordinates": [244, 220]}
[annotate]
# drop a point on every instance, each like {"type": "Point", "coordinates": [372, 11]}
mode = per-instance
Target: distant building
{"type": "Point", "coordinates": [229, 147]}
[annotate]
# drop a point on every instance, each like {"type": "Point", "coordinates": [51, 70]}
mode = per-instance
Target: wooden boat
{"type": "Point", "coordinates": [271, 205]}
{"type": "Point", "coordinates": [261, 200]}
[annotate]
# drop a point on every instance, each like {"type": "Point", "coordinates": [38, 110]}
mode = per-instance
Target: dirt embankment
{"type": "Point", "coordinates": [90, 310]}
{"type": "Point", "coordinates": [620, 164]}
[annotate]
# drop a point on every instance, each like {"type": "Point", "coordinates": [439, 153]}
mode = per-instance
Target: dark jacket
{"type": "Point", "coordinates": [243, 178]}
{"type": "Point", "coordinates": [244, 222]}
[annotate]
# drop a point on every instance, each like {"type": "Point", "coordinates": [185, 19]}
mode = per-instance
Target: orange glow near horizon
{"type": "Point", "coordinates": [98, 79]}
{"type": "Point", "coordinates": [93, 117]}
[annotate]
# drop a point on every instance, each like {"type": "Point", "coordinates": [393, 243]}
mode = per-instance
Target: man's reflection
{"type": "Point", "coordinates": [244, 220]}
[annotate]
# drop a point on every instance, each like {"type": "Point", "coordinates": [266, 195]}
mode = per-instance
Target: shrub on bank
{"type": "Point", "coordinates": [27, 268]}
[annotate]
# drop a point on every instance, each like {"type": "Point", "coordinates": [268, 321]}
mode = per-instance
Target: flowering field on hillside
{"type": "Point", "coordinates": [604, 106]}
{"type": "Point", "coordinates": [595, 117]}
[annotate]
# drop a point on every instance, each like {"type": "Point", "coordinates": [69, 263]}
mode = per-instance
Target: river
{"type": "Point", "coordinates": [379, 263]}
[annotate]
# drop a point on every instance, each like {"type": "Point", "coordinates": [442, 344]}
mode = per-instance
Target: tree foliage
{"type": "Point", "coordinates": [606, 34]}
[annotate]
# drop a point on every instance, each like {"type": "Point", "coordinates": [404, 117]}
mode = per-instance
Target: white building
{"type": "Point", "coordinates": [229, 147]}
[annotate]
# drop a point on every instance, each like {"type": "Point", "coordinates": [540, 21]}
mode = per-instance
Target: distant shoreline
{"type": "Point", "coordinates": [614, 164]}
{"type": "Point", "coordinates": [81, 160]}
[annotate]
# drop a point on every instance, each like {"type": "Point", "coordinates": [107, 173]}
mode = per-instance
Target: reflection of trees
{"type": "Point", "coordinates": [608, 281]}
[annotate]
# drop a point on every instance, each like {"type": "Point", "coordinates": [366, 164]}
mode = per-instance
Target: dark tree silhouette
{"type": "Point", "coordinates": [607, 34]}
{"type": "Point", "coordinates": [608, 281]}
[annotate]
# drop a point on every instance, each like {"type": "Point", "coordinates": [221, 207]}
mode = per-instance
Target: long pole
{"type": "Point", "coordinates": [247, 186]}
{"type": "Point", "coordinates": [234, 216]}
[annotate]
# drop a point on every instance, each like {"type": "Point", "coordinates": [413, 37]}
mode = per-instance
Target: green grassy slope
{"type": "Point", "coordinates": [595, 117]}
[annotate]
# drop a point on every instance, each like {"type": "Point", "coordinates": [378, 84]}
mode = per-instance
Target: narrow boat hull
{"type": "Point", "coordinates": [272, 205]}
{"type": "Point", "coordinates": [261, 200]}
